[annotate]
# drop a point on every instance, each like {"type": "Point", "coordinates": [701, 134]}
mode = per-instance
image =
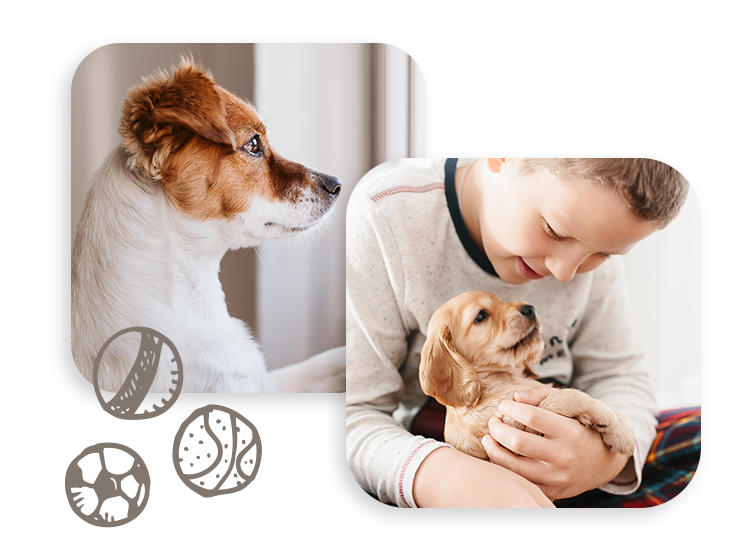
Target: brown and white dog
{"type": "Point", "coordinates": [194, 177]}
{"type": "Point", "coordinates": [478, 352]}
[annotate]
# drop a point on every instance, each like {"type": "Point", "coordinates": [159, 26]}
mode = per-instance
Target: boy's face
{"type": "Point", "coordinates": [536, 225]}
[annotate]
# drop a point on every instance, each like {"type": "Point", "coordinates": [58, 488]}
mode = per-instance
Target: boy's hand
{"type": "Point", "coordinates": [568, 460]}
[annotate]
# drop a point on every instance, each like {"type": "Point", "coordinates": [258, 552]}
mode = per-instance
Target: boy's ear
{"type": "Point", "coordinates": [496, 164]}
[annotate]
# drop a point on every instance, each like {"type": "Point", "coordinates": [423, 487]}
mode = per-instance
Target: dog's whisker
{"type": "Point", "coordinates": [290, 253]}
{"type": "Point", "coordinates": [272, 131]}
{"type": "Point", "coordinates": [258, 255]}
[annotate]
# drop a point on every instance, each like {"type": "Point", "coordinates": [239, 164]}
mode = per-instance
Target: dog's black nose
{"type": "Point", "coordinates": [332, 185]}
{"type": "Point", "coordinates": [528, 311]}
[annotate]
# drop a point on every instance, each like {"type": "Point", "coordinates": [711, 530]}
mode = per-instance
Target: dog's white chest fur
{"type": "Point", "coordinates": [146, 264]}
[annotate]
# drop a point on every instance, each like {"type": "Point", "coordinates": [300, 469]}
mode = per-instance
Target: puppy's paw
{"type": "Point", "coordinates": [615, 432]}
{"type": "Point", "coordinates": [618, 435]}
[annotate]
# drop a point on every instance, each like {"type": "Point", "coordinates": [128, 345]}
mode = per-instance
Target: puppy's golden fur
{"type": "Point", "coordinates": [478, 352]}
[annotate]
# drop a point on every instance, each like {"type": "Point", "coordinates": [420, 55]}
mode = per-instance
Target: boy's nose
{"type": "Point", "coordinates": [564, 276]}
{"type": "Point", "coordinates": [563, 269]}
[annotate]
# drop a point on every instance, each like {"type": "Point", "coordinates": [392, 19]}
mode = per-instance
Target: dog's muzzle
{"type": "Point", "coordinates": [528, 311]}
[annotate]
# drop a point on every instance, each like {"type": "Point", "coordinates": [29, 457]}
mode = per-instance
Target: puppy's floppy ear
{"type": "Point", "coordinates": [162, 114]}
{"type": "Point", "coordinates": [445, 374]}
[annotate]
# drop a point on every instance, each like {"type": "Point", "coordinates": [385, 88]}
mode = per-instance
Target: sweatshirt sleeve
{"type": "Point", "coordinates": [608, 364]}
{"type": "Point", "coordinates": [382, 455]}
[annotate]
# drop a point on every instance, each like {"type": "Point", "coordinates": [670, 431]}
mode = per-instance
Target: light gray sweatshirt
{"type": "Point", "coordinates": [405, 259]}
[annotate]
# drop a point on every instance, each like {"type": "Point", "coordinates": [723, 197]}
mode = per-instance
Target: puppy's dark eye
{"type": "Point", "coordinates": [253, 146]}
{"type": "Point", "coordinates": [482, 316]}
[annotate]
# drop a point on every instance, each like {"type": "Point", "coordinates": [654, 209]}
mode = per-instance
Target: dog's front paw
{"type": "Point", "coordinates": [322, 373]}
{"type": "Point", "coordinates": [618, 435]}
{"type": "Point", "coordinates": [615, 432]}
{"type": "Point", "coordinates": [329, 371]}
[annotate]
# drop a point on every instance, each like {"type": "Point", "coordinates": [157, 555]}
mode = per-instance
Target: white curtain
{"type": "Point", "coordinates": [340, 108]}
{"type": "Point", "coordinates": [665, 272]}
{"type": "Point", "coordinates": [316, 102]}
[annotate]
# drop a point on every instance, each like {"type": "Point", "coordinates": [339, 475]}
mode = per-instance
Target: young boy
{"type": "Point", "coordinates": [540, 230]}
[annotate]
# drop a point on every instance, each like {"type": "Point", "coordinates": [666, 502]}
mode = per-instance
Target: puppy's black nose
{"type": "Point", "coordinates": [332, 185]}
{"type": "Point", "coordinates": [528, 311]}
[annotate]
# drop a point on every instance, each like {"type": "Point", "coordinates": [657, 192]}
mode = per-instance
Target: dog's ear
{"type": "Point", "coordinates": [162, 114]}
{"type": "Point", "coordinates": [529, 372]}
{"type": "Point", "coordinates": [445, 374]}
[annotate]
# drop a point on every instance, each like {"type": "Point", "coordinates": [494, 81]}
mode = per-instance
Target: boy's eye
{"type": "Point", "coordinates": [557, 237]}
{"type": "Point", "coordinates": [481, 316]}
{"type": "Point", "coordinates": [553, 234]}
{"type": "Point", "coordinates": [253, 146]}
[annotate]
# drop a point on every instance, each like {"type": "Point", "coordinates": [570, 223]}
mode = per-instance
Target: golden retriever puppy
{"type": "Point", "coordinates": [478, 352]}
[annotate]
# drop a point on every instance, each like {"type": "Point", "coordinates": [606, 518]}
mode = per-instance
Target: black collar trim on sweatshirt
{"type": "Point", "coordinates": [458, 221]}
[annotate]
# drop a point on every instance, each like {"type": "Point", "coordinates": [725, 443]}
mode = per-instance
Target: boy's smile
{"type": "Point", "coordinates": [526, 271]}
{"type": "Point", "coordinates": [535, 225]}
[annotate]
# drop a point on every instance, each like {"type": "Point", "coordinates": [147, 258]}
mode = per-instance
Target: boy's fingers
{"type": "Point", "coordinates": [541, 420]}
{"type": "Point", "coordinates": [502, 457]}
{"type": "Point", "coordinates": [533, 396]}
{"type": "Point", "coordinates": [516, 446]}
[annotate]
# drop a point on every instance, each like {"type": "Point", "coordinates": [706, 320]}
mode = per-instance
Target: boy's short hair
{"type": "Point", "coordinates": [654, 191]}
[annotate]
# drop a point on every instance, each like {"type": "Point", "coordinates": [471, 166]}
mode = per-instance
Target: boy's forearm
{"type": "Point", "coordinates": [449, 478]}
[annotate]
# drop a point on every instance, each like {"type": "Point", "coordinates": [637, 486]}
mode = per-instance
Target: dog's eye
{"type": "Point", "coordinates": [253, 146]}
{"type": "Point", "coordinates": [481, 316]}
